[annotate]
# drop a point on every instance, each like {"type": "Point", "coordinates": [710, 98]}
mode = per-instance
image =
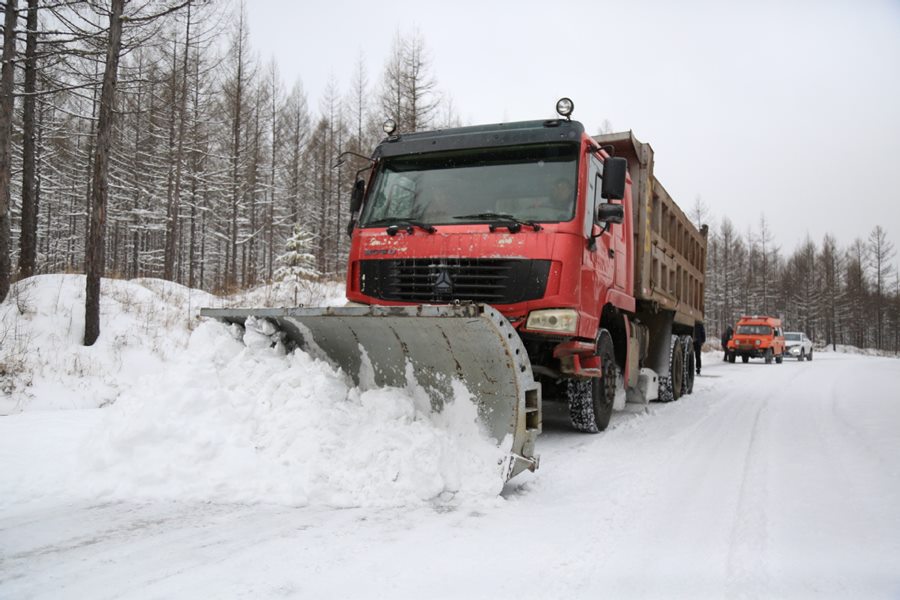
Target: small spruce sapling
{"type": "Point", "coordinates": [298, 264]}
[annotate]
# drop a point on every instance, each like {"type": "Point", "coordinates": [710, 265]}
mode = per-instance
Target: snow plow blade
{"type": "Point", "coordinates": [473, 343]}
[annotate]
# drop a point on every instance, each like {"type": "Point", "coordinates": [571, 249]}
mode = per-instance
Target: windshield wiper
{"type": "Point", "coordinates": [395, 224]}
{"type": "Point", "coordinates": [513, 224]}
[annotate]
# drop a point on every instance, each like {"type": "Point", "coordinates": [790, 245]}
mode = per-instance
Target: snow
{"type": "Point", "coordinates": [225, 419]}
{"type": "Point", "coordinates": [220, 469]}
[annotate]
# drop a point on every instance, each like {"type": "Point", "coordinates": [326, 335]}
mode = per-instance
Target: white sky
{"type": "Point", "coordinates": [787, 108]}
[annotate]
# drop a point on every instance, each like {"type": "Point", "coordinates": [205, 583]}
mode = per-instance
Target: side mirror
{"type": "Point", "coordinates": [356, 196]}
{"type": "Point", "coordinates": [610, 213]}
{"type": "Point", "coordinates": [614, 170]}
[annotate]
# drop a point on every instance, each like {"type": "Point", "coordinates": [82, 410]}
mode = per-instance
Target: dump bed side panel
{"type": "Point", "coordinates": [669, 251]}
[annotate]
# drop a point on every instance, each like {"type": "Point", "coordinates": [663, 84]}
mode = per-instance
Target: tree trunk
{"type": "Point", "coordinates": [231, 277]}
{"type": "Point", "coordinates": [99, 190]}
{"type": "Point", "coordinates": [6, 119]}
{"type": "Point", "coordinates": [175, 200]}
{"type": "Point", "coordinates": [171, 218]}
{"type": "Point", "coordinates": [28, 238]}
{"type": "Point", "coordinates": [270, 225]}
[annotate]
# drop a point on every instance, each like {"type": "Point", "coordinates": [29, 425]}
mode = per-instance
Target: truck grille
{"type": "Point", "coordinates": [437, 280]}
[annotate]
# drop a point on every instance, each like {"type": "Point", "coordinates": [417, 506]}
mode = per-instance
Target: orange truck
{"type": "Point", "coordinates": [757, 337]}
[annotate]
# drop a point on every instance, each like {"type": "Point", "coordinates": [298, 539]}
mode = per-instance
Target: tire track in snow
{"type": "Point", "coordinates": [151, 549]}
{"type": "Point", "coordinates": [838, 400]}
{"type": "Point", "coordinates": [672, 474]}
{"type": "Point", "coordinates": [746, 566]}
{"type": "Point", "coordinates": [862, 469]}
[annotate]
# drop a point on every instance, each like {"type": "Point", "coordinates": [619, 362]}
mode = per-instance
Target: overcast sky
{"type": "Point", "coordinates": [788, 108]}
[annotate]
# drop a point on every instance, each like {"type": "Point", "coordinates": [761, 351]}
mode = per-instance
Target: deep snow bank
{"type": "Point", "coordinates": [202, 416]}
{"type": "Point", "coordinates": [43, 364]}
{"type": "Point", "coordinates": [845, 349]}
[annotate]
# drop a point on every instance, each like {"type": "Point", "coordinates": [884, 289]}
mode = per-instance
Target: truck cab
{"type": "Point", "coordinates": [509, 215]}
{"type": "Point", "coordinates": [532, 218]}
{"type": "Point", "coordinates": [537, 220]}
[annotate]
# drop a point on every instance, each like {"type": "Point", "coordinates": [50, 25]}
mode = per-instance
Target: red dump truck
{"type": "Point", "coordinates": [530, 261]}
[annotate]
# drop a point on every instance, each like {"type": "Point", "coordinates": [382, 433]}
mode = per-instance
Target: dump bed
{"type": "Point", "coordinates": [669, 251]}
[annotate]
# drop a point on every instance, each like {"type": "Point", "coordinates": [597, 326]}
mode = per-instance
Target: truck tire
{"type": "Point", "coordinates": [591, 400]}
{"type": "Point", "coordinates": [731, 357]}
{"type": "Point", "coordinates": [687, 343]}
{"type": "Point", "coordinates": [768, 356]}
{"type": "Point", "coordinates": [671, 383]}
{"type": "Point", "coordinates": [779, 358]}
{"type": "Point", "coordinates": [745, 358]}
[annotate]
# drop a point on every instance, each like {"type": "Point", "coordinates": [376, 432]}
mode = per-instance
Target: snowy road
{"type": "Point", "coordinates": [769, 481]}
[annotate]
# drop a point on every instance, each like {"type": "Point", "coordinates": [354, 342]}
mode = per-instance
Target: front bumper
{"type": "Point", "coordinates": [751, 351]}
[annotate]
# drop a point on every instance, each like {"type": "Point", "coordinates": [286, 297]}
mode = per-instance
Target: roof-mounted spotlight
{"type": "Point", "coordinates": [565, 106]}
{"type": "Point", "coordinates": [389, 127]}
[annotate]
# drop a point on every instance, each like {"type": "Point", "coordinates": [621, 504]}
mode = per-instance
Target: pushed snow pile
{"type": "Point", "coordinates": [234, 423]}
{"type": "Point", "coordinates": [204, 416]}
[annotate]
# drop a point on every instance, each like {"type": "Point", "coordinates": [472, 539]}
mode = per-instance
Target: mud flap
{"type": "Point", "coordinates": [472, 343]}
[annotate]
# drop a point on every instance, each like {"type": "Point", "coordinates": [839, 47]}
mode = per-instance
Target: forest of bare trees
{"type": "Point", "coordinates": [836, 295]}
{"type": "Point", "coordinates": [190, 160]}
{"type": "Point", "coordinates": [212, 157]}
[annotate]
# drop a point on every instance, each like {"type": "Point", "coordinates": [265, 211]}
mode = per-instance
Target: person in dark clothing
{"type": "Point", "coordinates": [699, 338]}
{"type": "Point", "coordinates": [726, 337]}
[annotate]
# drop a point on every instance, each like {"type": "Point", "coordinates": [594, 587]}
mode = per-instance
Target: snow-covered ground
{"type": "Point", "coordinates": [214, 469]}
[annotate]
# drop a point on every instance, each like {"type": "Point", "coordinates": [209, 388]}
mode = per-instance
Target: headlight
{"type": "Point", "coordinates": [561, 320]}
{"type": "Point", "coordinates": [758, 342]}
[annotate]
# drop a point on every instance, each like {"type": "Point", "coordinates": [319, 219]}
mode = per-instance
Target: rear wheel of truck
{"type": "Point", "coordinates": [745, 358]}
{"type": "Point", "coordinates": [768, 356]}
{"type": "Point", "coordinates": [591, 400]}
{"type": "Point", "coordinates": [671, 383]}
{"type": "Point", "coordinates": [687, 347]}
{"type": "Point", "coordinates": [779, 358]}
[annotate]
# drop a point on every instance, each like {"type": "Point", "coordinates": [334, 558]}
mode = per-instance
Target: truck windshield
{"type": "Point", "coordinates": [531, 183]}
{"type": "Point", "coordinates": [754, 330]}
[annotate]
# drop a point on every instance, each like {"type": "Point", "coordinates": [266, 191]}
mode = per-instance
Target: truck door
{"type": "Point", "coordinates": [601, 253]}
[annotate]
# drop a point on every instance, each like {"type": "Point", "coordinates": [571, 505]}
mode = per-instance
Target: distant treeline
{"type": "Point", "coordinates": [836, 295]}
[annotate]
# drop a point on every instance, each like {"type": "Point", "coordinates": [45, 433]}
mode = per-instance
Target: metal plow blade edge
{"type": "Point", "coordinates": [473, 343]}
